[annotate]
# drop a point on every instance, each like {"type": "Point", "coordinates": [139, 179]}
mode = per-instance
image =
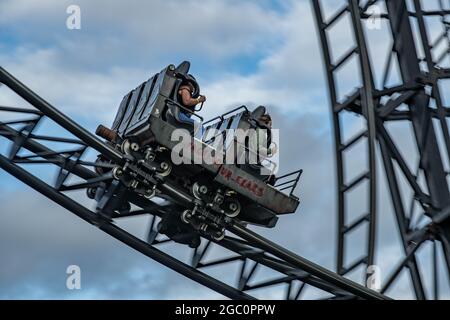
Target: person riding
{"type": "Point", "coordinates": [189, 97]}
{"type": "Point", "coordinates": [266, 148]}
{"type": "Point", "coordinates": [262, 144]}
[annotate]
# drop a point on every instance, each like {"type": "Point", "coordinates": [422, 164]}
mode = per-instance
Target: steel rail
{"type": "Point", "coordinates": [57, 116]}
{"type": "Point", "coordinates": [308, 266]}
{"type": "Point", "coordinates": [121, 234]}
{"type": "Point", "coordinates": [319, 280]}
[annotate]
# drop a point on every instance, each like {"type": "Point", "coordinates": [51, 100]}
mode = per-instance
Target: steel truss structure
{"type": "Point", "coordinates": [70, 150]}
{"type": "Point", "coordinates": [416, 100]}
{"type": "Point", "coordinates": [419, 52]}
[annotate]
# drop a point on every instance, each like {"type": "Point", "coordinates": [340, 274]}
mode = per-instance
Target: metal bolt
{"type": "Point", "coordinates": [117, 172]}
{"type": "Point", "coordinates": [203, 189]}
{"type": "Point", "coordinates": [134, 146]}
{"type": "Point", "coordinates": [164, 165]}
{"type": "Point", "coordinates": [219, 199]}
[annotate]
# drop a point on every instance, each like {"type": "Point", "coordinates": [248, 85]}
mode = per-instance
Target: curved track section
{"type": "Point", "coordinates": [361, 103]}
{"type": "Point", "coordinates": [71, 150]}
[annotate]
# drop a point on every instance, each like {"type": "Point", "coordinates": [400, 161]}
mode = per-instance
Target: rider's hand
{"type": "Point", "coordinates": [201, 99]}
{"type": "Point", "coordinates": [273, 148]}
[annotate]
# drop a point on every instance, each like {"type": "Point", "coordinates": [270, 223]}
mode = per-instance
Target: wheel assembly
{"type": "Point", "coordinates": [166, 168]}
{"type": "Point", "coordinates": [232, 208]}
{"type": "Point", "coordinates": [218, 235]}
{"type": "Point", "coordinates": [186, 216]}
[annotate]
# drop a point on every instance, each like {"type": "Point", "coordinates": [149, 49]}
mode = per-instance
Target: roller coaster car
{"type": "Point", "coordinates": [205, 196]}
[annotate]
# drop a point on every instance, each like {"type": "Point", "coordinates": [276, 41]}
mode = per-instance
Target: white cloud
{"type": "Point", "coordinates": [85, 75]}
{"type": "Point", "coordinates": [288, 77]}
{"type": "Point", "coordinates": [146, 30]}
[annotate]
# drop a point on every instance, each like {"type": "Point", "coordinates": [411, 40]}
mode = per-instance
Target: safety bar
{"type": "Point", "coordinates": [172, 102]}
{"type": "Point", "coordinates": [289, 184]}
{"type": "Point", "coordinates": [270, 166]}
{"type": "Point", "coordinates": [222, 117]}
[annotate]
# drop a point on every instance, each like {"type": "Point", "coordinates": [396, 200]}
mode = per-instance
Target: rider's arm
{"type": "Point", "coordinates": [264, 150]}
{"type": "Point", "coordinates": [272, 149]}
{"type": "Point", "coordinates": [187, 99]}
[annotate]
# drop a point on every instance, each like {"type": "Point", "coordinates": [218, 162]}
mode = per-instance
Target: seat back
{"type": "Point", "coordinates": [130, 110]}
{"type": "Point", "coordinates": [175, 107]}
{"type": "Point", "coordinates": [138, 104]}
{"type": "Point", "coordinates": [174, 118]}
{"type": "Point", "coordinates": [258, 112]}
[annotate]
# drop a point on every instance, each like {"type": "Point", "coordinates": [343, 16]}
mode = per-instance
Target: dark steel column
{"type": "Point", "coordinates": [368, 110]}
{"type": "Point", "coordinates": [430, 156]}
{"type": "Point", "coordinates": [321, 27]}
{"type": "Point", "coordinates": [397, 204]}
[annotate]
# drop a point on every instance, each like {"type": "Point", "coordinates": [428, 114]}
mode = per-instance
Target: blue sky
{"type": "Point", "coordinates": [242, 52]}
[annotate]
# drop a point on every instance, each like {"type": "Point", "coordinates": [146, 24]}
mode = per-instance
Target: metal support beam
{"type": "Point", "coordinates": [368, 109]}
{"type": "Point", "coordinates": [121, 234]}
{"type": "Point", "coordinates": [57, 116]}
{"type": "Point", "coordinates": [430, 156]}
{"type": "Point", "coordinates": [308, 266]}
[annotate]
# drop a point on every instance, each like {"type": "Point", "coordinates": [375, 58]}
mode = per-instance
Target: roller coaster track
{"type": "Point", "coordinates": [19, 127]}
